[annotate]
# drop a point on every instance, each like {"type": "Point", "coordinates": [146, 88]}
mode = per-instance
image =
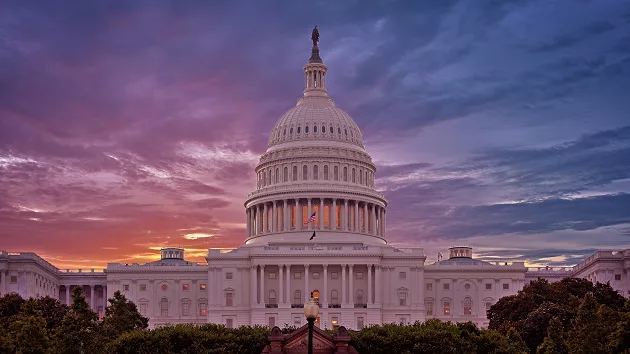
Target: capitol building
{"type": "Point", "coordinates": [316, 226]}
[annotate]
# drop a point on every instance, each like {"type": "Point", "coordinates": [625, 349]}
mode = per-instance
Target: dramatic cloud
{"type": "Point", "coordinates": [129, 126]}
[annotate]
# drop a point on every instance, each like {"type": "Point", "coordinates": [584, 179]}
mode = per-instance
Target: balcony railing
{"type": "Point", "coordinates": [297, 306]}
{"type": "Point", "coordinates": [360, 306]}
{"type": "Point", "coordinates": [271, 306]}
{"type": "Point", "coordinates": [334, 306]}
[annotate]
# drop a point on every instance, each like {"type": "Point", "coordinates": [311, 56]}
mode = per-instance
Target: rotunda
{"type": "Point", "coordinates": [316, 178]}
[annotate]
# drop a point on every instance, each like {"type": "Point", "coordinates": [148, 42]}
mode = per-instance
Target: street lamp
{"type": "Point", "coordinates": [311, 310]}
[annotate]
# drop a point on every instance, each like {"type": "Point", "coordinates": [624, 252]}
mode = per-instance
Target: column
{"type": "Point", "coordinates": [68, 295]}
{"type": "Point", "coordinates": [253, 270]}
{"type": "Point", "coordinates": [307, 292]}
{"type": "Point", "coordinates": [92, 297]}
{"type": "Point", "coordinates": [285, 216]}
{"type": "Point", "coordinates": [343, 283]}
{"type": "Point", "coordinates": [356, 227]}
{"type": "Point", "coordinates": [369, 292]}
{"type": "Point", "coordinates": [265, 219]}
{"type": "Point", "coordinates": [365, 217]}
{"type": "Point", "coordinates": [373, 222]}
{"type": "Point", "coordinates": [287, 295]}
{"type": "Point", "coordinates": [414, 286]}
{"type": "Point", "coordinates": [262, 285]}
{"type": "Point", "coordinates": [274, 218]}
{"type": "Point", "coordinates": [377, 284]}
{"type": "Point", "coordinates": [384, 221]}
{"type": "Point", "coordinates": [248, 221]}
{"type": "Point", "coordinates": [309, 212]}
{"type": "Point", "coordinates": [344, 215]}
{"type": "Point", "coordinates": [333, 215]}
{"type": "Point", "coordinates": [298, 215]}
{"type": "Point", "coordinates": [421, 287]}
{"type": "Point", "coordinates": [350, 285]}
{"type": "Point", "coordinates": [321, 213]}
{"type": "Point", "coordinates": [325, 295]}
{"type": "Point", "coordinates": [280, 282]}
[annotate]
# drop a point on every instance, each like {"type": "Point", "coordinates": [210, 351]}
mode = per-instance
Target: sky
{"type": "Point", "coordinates": [127, 126]}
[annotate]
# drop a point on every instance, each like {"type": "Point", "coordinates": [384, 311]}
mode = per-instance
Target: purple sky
{"type": "Point", "coordinates": [126, 126]}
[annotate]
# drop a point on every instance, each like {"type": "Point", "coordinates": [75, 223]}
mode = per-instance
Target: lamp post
{"type": "Point", "coordinates": [311, 310]}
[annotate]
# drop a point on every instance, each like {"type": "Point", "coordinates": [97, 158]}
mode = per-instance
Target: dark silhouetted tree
{"type": "Point", "coordinates": [78, 332]}
{"type": "Point", "coordinates": [555, 341]}
{"type": "Point", "coordinates": [122, 316]}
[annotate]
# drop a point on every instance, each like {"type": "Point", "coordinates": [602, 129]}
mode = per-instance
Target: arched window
{"type": "Point", "coordinates": [297, 297]}
{"type": "Point", "coordinates": [360, 176]}
{"type": "Point", "coordinates": [339, 131]}
{"type": "Point", "coordinates": [467, 306]}
{"type": "Point", "coordinates": [306, 130]}
{"type": "Point", "coordinates": [304, 173]}
{"type": "Point", "coordinates": [366, 179]}
{"type": "Point", "coordinates": [336, 173]}
{"type": "Point", "coordinates": [323, 129]}
{"type": "Point", "coordinates": [277, 176]}
{"type": "Point", "coordinates": [360, 297]}
{"type": "Point", "coordinates": [272, 297]}
{"type": "Point", "coordinates": [345, 174]}
{"type": "Point", "coordinates": [269, 176]}
{"type": "Point", "coordinates": [354, 180]}
{"type": "Point", "coordinates": [291, 131]}
{"type": "Point", "coordinates": [298, 130]}
{"type": "Point", "coordinates": [315, 172]}
{"type": "Point", "coordinates": [164, 307]}
{"type": "Point", "coordinates": [326, 172]}
{"type": "Point", "coordinates": [334, 297]}
{"type": "Point", "coordinates": [264, 178]}
{"type": "Point", "coordinates": [331, 130]}
{"type": "Point", "coordinates": [285, 132]}
{"type": "Point", "coordinates": [315, 129]}
{"type": "Point", "coordinates": [295, 173]}
{"type": "Point", "coordinates": [286, 175]}
{"type": "Point", "coordinates": [345, 131]}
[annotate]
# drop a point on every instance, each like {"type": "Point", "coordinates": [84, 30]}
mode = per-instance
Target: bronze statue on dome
{"type": "Point", "coordinates": [315, 36]}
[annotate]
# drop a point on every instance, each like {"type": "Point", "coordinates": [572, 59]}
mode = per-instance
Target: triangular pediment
{"type": "Point", "coordinates": [299, 343]}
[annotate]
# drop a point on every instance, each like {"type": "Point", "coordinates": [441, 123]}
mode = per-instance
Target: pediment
{"type": "Point", "coordinates": [299, 343]}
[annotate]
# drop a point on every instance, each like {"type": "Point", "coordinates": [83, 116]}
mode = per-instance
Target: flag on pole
{"type": "Point", "coordinates": [311, 219]}
{"type": "Point", "coordinates": [312, 236]}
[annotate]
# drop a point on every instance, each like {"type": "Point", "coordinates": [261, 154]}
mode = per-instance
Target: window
{"type": "Point", "coordinates": [359, 275]}
{"type": "Point", "coordinates": [143, 287]}
{"type": "Point", "coordinates": [297, 321]}
{"type": "Point", "coordinates": [202, 286]}
{"type": "Point", "coordinates": [402, 275]}
{"type": "Point", "coordinates": [185, 287]}
{"type": "Point", "coordinates": [164, 307]}
{"type": "Point", "coordinates": [326, 172]}
{"type": "Point", "coordinates": [506, 286]}
{"type": "Point", "coordinates": [284, 133]}
{"type": "Point", "coordinates": [360, 297]}
{"type": "Point", "coordinates": [335, 322]}
{"type": "Point", "coordinates": [298, 130]}
{"type": "Point", "coordinates": [467, 306]}
{"type": "Point", "coordinates": [315, 172]}
{"type": "Point", "coordinates": [315, 275]}
{"type": "Point", "coordinates": [446, 307]}
{"type": "Point", "coordinates": [297, 297]}
{"type": "Point", "coordinates": [488, 306]}
{"type": "Point", "coordinates": [403, 321]}
{"type": "Point", "coordinates": [297, 275]}
{"type": "Point", "coordinates": [617, 276]}
{"type": "Point", "coordinates": [277, 175]}
{"type": "Point", "coordinates": [428, 307]}
{"type": "Point", "coordinates": [334, 275]}
{"type": "Point", "coordinates": [291, 131]}
{"type": "Point", "coordinates": [331, 130]}
{"type": "Point", "coordinates": [272, 322]}
{"type": "Point", "coordinates": [272, 275]}
{"type": "Point", "coordinates": [360, 322]}
{"type": "Point", "coordinates": [314, 129]}
{"type": "Point", "coordinates": [304, 173]}
{"type": "Point", "coordinates": [229, 299]}
{"type": "Point", "coordinates": [272, 297]}
{"type": "Point", "coordinates": [143, 308]}
{"type": "Point", "coordinates": [203, 309]}
{"type": "Point", "coordinates": [354, 179]}
{"type": "Point", "coordinates": [345, 174]}
{"type": "Point", "coordinates": [306, 130]}
{"type": "Point", "coordinates": [338, 130]}
{"type": "Point", "coordinates": [345, 131]}
{"type": "Point", "coordinates": [402, 298]}
{"type": "Point", "coordinates": [336, 173]}
{"type": "Point", "coordinates": [185, 308]}
{"type": "Point", "coordinates": [446, 286]}
{"type": "Point", "coordinates": [334, 297]}
{"type": "Point", "coordinates": [360, 176]}
{"type": "Point", "coordinates": [125, 287]}
{"type": "Point", "coordinates": [295, 173]}
{"type": "Point", "coordinates": [229, 275]}
{"type": "Point", "coordinates": [286, 175]}
{"type": "Point", "coordinates": [429, 286]}
{"type": "Point", "coordinates": [229, 323]}
{"type": "Point", "coordinates": [488, 286]}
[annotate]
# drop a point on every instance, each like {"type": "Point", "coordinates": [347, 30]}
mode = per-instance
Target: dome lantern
{"type": "Point", "coordinates": [315, 71]}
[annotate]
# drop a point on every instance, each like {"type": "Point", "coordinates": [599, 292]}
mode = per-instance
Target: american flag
{"type": "Point", "coordinates": [311, 219]}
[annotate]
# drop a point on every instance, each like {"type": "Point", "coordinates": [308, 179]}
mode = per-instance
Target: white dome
{"type": "Point", "coordinates": [316, 118]}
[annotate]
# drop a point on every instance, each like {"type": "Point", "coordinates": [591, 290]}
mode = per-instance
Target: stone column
{"type": "Point", "coordinates": [280, 282]}
{"type": "Point", "coordinates": [357, 225]}
{"type": "Point", "coordinates": [321, 214]}
{"type": "Point", "coordinates": [344, 215]}
{"type": "Point", "coordinates": [274, 218]}
{"type": "Point", "coordinates": [325, 296]}
{"type": "Point", "coordinates": [262, 285]}
{"type": "Point", "coordinates": [414, 287]}
{"type": "Point", "coordinates": [350, 284]}
{"type": "Point", "coordinates": [369, 292]}
{"type": "Point", "coordinates": [333, 215]}
{"type": "Point", "coordinates": [365, 218]}
{"type": "Point", "coordinates": [373, 221]}
{"type": "Point", "coordinates": [377, 285]}
{"type": "Point", "coordinates": [253, 270]}
{"type": "Point", "coordinates": [68, 288]}
{"type": "Point", "coordinates": [309, 212]}
{"type": "Point", "coordinates": [287, 295]}
{"type": "Point", "coordinates": [285, 208]}
{"type": "Point", "coordinates": [298, 215]}
{"type": "Point", "coordinates": [92, 297]}
{"type": "Point", "coordinates": [265, 219]}
{"type": "Point", "coordinates": [307, 291]}
{"type": "Point", "coordinates": [343, 284]}
{"type": "Point", "coordinates": [421, 287]}
{"type": "Point", "coordinates": [248, 221]}
{"type": "Point", "coordinates": [384, 221]}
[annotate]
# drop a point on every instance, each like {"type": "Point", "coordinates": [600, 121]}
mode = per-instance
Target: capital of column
{"type": "Point", "coordinates": [351, 266]}
{"type": "Point", "coordinates": [306, 266]}
{"type": "Point", "coordinates": [325, 266]}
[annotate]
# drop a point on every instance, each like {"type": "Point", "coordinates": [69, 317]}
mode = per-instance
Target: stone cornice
{"type": "Point", "coordinates": [474, 270]}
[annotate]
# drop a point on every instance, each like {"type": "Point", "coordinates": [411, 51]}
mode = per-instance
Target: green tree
{"type": "Point", "coordinates": [10, 305]}
{"type": "Point", "coordinates": [535, 327]}
{"type": "Point", "coordinates": [51, 309]}
{"type": "Point", "coordinates": [589, 329]}
{"type": "Point", "coordinates": [555, 342]}
{"type": "Point", "coordinates": [620, 338]}
{"type": "Point", "coordinates": [122, 316]}
{"type": "Point", "coordinates": [79, 330]}
{"type": "Point", "coordinates": [27, 331]}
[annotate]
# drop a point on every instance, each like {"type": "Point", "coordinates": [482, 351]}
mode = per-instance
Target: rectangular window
{"type": "Point", "coordinates": [272, 275]}
{"type": "Point", "coordinates": [429, 286]}
{"type": "Point", "coordinates": [402, 275]}
{"type": "Point", "coordinates": [297, 275]}
{"type": "Point", "coordinates": [164, 307]}
{"type": "Point", "coordinates": [360, 322]}
{"type": "Point", "coordinates": [402, 299]}
{"type": "Point", "coordinates": [446, 286]}
{"type": "Point", "coordinates": [488, 286]}
{"type": "Point", "coordinates": [297, 321]}
{"type": "Point", "coordinates": [202, 286]}
{"type": "Point", "coordinates": [488, 305]}
{"type": "Point", "coordinates": [143, 287]}
{"type": "Point", "coordinates": [315, 275]}
{"type": "Point", "coordinates": [185, 287]}
{"type": "Point", "coordinates": [617, 276]}
{"type": "Point", "coordinates": [229, 301]}
{"type": "Point", "coordinates": [185, 309]}
{"type": "Point", "coordinates": [203, 308]}
{"type": "Point", "coordinates": [229, 323]}
{"type": "Point", "coordinates": [125, 287]}
{"type": "Point", "coordinates": [228, 275]}
{"type": "Point", "coordinates": [272, 322]}
{"type": "Point", "coordinates": [334, 275]}
{"type": "Point", "coordinates": [14, 279]}
{"type": "Point", "coordinates": [335, 322]}
{"type": "Point", "coordinates": [359, 275]}
{"type": "Point", "coordinates": [428, 306]}
{"type": "Point", "coordinates": [447, 308]}
{"type": "Point", "coordinates": [143, 309]}
{"type": "Point", "coordinates": [506, 286]}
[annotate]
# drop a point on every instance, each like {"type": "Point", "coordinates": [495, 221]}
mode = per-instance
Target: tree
{"type": "Point", "coordinates": [122, 316]}
{"type": "Point", "coordinates": [555, 342]}
{"type": "Point", "coordinates": [27, 331]}
{"type": "Point", "coordinates": [535, 327]}
{"type": "Point", "coordinates": [590, 331]}
{"type": "Point", "coordinates": [620, 338]}
{"type": "Point", "coordinates": [78, 332]}
{"type": "Point", "coordinates": [52, 310]}
{"type": "Point", "coordinates": [10, 305]}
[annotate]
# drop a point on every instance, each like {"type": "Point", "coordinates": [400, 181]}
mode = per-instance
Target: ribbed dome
{"type": "Point", "coordinates": [315, 118]}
